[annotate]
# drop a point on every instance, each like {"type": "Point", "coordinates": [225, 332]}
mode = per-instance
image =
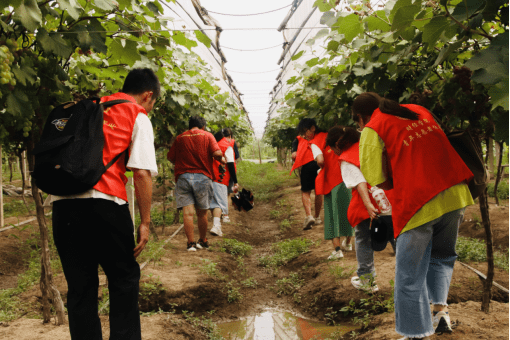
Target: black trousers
{"type": "Point", "coordinates": [89, 233]}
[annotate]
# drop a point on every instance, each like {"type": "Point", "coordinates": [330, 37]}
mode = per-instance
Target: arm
{"type": "Point", "coordinates": [218, 155]}
{"type": "Point", "coordinates": [233, 175]}
{"type": "Point", "coordinates": [365, 197]}
{"type": "Point", "coordinates": [295, 144]}
{"type": "Point", "coordinates": [317, 155]}
{"type": "Point", "coordinates": [143, 190]}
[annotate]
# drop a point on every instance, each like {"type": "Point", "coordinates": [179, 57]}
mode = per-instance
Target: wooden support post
{"type": "Point", "coordinates": [1, 191]}
{"type": "Point", "coordinates": [130, 188]}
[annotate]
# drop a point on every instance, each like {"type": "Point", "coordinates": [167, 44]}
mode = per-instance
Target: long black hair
{"type": "Point", "coordinates": [306, 124]}
{"type": "Point", "coordinates": [218, 135]}
{"type": "Point", "coordinates": [366, 103]}
{"type": "Point", "coordinates": [342, 137]}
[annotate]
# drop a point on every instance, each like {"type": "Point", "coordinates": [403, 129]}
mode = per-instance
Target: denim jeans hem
{"type": "Point", "coordinates": [442, 303]}
{"type": "Point", "coordinates": [423, 335]}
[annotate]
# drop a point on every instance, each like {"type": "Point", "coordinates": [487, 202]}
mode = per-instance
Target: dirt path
{"type": "Point", "coordinates": [203, 283]}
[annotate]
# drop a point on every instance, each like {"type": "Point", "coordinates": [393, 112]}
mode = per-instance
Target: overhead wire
{"type": "Point", "coordinates": [247, 15]}
{"type": "Point", "coordinates": [190, 30]}
{"type": "Point", "coordinates": [257, 49]}
{"type": "Point", "coordinates": [255, 72]}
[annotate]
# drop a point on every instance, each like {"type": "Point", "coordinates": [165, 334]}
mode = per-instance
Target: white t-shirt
{"type": "Point", "coordinates": [142, 156]}
{"type": "Point", "coordinates": [351, 174]}
{"type": "Point", "coordinates": [229, 155]}
{"type": "Point", "coordinates": [316, 151]}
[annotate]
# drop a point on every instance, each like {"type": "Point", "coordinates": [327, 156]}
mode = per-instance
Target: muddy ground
{"type": "Point", "coordinates": [203, 282]}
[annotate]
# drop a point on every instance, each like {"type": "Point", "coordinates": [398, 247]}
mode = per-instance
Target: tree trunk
{"type": "Point", "coordinates": [487, 289]}
{"type": "Point", "coordinates": [500, 170]}
{"type": "Point", "coordinates": [10, 161]}
{"type": "Point", "coordinates": [23, 179]}
{"type": "Point", "coordinates": [490, 156]}
{"type": "Point", "coordinates": [48, 289]}
{"type": "Point", "coordinates": [1, 192]}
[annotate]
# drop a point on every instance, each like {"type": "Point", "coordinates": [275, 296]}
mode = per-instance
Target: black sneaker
{"type": "Point", "coordinates": [192, 246]}
{"type": "Point", "coordinates": [201, 244]}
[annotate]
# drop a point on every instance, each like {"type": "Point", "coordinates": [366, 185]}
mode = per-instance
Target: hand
{"type": "Point", "coordinates": [235, 188]}
{"type": "Point", "coordinates": [142, 239]}
{"type": "Point", "coordinates": [293, 155]}
{"type": "Point", "coordinates": [372, 211]}
{"type": "Point", "coordinates": [223, 160]}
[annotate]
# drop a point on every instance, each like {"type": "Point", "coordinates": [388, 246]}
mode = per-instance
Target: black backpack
{"type": "Point", "coordinates": [69, 156]}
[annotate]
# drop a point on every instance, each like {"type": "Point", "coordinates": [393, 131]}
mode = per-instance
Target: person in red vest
{"type": "Point", "coordinates": [223, 178]}
{"type": "Point", "coordinates": [329, 182]}
{"type": "Point", "coordinates": [344, 141]}
{"type": "Point", "coordinates": [192, 154]}
{"type": "Point", "coordinates": [95, 228]}
{"type": "Point", "coordinates": [302, 156]}
{"type": "Point", "coordinates": [403, 148]}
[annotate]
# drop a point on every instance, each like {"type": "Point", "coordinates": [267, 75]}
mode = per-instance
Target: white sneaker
{"type": "Point", "coordinates": [364, 284]}
{"type": "Point", "coordinates": [309, 221]}
{"type": "Point", "coordinates": [347, 247]}
{"type": "Point", "coordinates": [441, 322]}
{"type": "Point", "coordinates": [226, 219]}
{"type": "Point", "coordinates": [216, 230]}
{"type": "Point", "coordinates": [335, 255]}
{"type": "Point", "coordinates": [318, 221]}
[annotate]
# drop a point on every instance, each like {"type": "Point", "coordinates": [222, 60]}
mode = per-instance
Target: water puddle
{"type": "Point", "coordinates": [276, 325]}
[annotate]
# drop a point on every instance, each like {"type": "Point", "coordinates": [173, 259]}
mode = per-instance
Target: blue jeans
{"type": "Point", "coordinates": [364, 251]}
{"type": "Point", "coordinates": [424, 266]}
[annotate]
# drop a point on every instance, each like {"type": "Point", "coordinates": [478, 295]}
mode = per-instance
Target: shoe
{"type": "Point", "coordinates": [364, 284]}
{"type": "Point", "coordinates": [226, 219]}
{"type": "Point", "coordinates": [192, 246]}
{"type": "Point", "coordinates": [201, 244]}
{"type": "Point", "coordinates": [216, 230]}
{"type": "Point", "coordinates": [441, 322]}
{"type": "Point", "coordinates": [309, 221]}
{"type": "Point", "coordinates": [347, 247]}
{"type": "Point", "coordinates": [318, 221]}
{"type": "Point", "coordinates": [335, 255]}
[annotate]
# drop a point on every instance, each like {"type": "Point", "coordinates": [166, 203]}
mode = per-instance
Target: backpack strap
{"type": "Point", "coordinates": [115, 159]}
{"type": "Point", "coordinates": [114, 102]}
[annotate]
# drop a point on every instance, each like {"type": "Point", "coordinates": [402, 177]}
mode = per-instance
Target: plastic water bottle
{"type": "Point", "coordinates": [381, 200]}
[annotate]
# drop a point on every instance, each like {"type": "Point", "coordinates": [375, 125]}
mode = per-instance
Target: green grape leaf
{"type": "Point", "coordinates": [312, 62]}
{"type": "Point", "coordinates": [24, 75]}
{"type": "Point", "coordinates": [397, 6]}
{"type": "Point", "coordinates": [204, 39]}
{"type": "Point", "coordinates": [464, 10]}
{"type": "Point", "coordinates": [297, 55]}
{"type": "Point", "coordinates": [53, 43]}
{"type": "Point", "coordinates": [181, 39]}
{"type": "Point", "coordinates": [71, 6]}
{"type": "Point", "coordinates": [404, 16]}
{"type": "Point", "coordinates": [322, 5]}
{"type": "Point", "coordinates": [433, 30]}
{"type": "Point", "coordinates": [350, 27]}
{"type": "Point", "coordinates": [29, 14]}
{"type": "Point", "coordinates": [105, 5]}
{"type": "Point", "coordinates": [501, 120]}
{"type": "Point", "coordinates": [18, 103]}
{"type": "Point", "coordinates": [125, 54]}
{"type": "Point", "coordinates": [12, 3]}
{"type": "Point", "coordinates": [377, 21]}
{"type": "Point", "coordinates": [499, 95]}
{"type": "Point", "coordinates": [492, 74]}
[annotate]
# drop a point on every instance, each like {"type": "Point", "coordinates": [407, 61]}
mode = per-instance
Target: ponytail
{"type": "Point", "coordinates": [366, 103]}
{"type": "Point", "coordinates": [342, 137]}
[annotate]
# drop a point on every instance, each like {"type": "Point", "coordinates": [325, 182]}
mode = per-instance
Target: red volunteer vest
{"type": "Point", "coordinates": [304, 152]}
{"type": "Point", "coordinates": [422, 160]}
{"type": "Point", "coordinates": [224, 144]}
{"type": "Point", "coordinates": [119, 121]}
{"type": "Point", "coordinates": [330, 176]}
{"type": "Point", "coordinates": [357, 211]}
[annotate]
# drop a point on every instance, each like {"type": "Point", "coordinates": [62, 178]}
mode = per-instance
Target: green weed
{"type": "Point", "coordinates": [472, 249]}
{"type": "Point", "coordinates": [233, 293]}
{"type": "Point", "coordinates": [289, 285]}
{"type": "Point", "coordinates": [153, 252]}
{"type": "Point", "coordinates": [274, 214]}
{"type": "Point", "coordinates": [263, 180]}
{"type": "Point", "coordinates": [152, 287]}
{"type": "Point", "coordinates": [209, 268]}
{"type": "Point", "coordinates": [250, 282]}
{"type": "Point", "coordinates": [285, 251]}
{"type": "Point", "coordinates": [203, 325]}
{"type": "Point", "coordinates": [234, 247]}
{"type": "Point", "coordinates": [502, 189]}
{"type": "Point", "coordinates": [284, 225]}
{"type": "Point", "coordinates": [339, 272]}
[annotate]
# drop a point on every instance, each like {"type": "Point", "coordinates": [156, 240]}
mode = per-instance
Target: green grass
{"type": "Point", "coordinates": [472, 249]}
{"type": "Point", "coordinates": [263, 180]}
{"type": "Point", "coordinates": [339, 272]}
{"type": "Point", "coordinates": [16, 207]}
{"type": "Point", "coordinates": [285, 251]}
{"type": "Point", "coordinates": [289, 285]}
{"type": "Point", "coordinates": [10, 305]}
{"type": "Point", "coordinates": [234, 247]}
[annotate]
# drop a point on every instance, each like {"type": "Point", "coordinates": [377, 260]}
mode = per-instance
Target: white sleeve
{"type": "Point", "coordinates": [229, 155]}
{"type": "Point", "coordinates": [351, 175]}
{"type": "Point", "coordinates": [316, 151]}
{"type": "Point", "coordinates": [143, 154]}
